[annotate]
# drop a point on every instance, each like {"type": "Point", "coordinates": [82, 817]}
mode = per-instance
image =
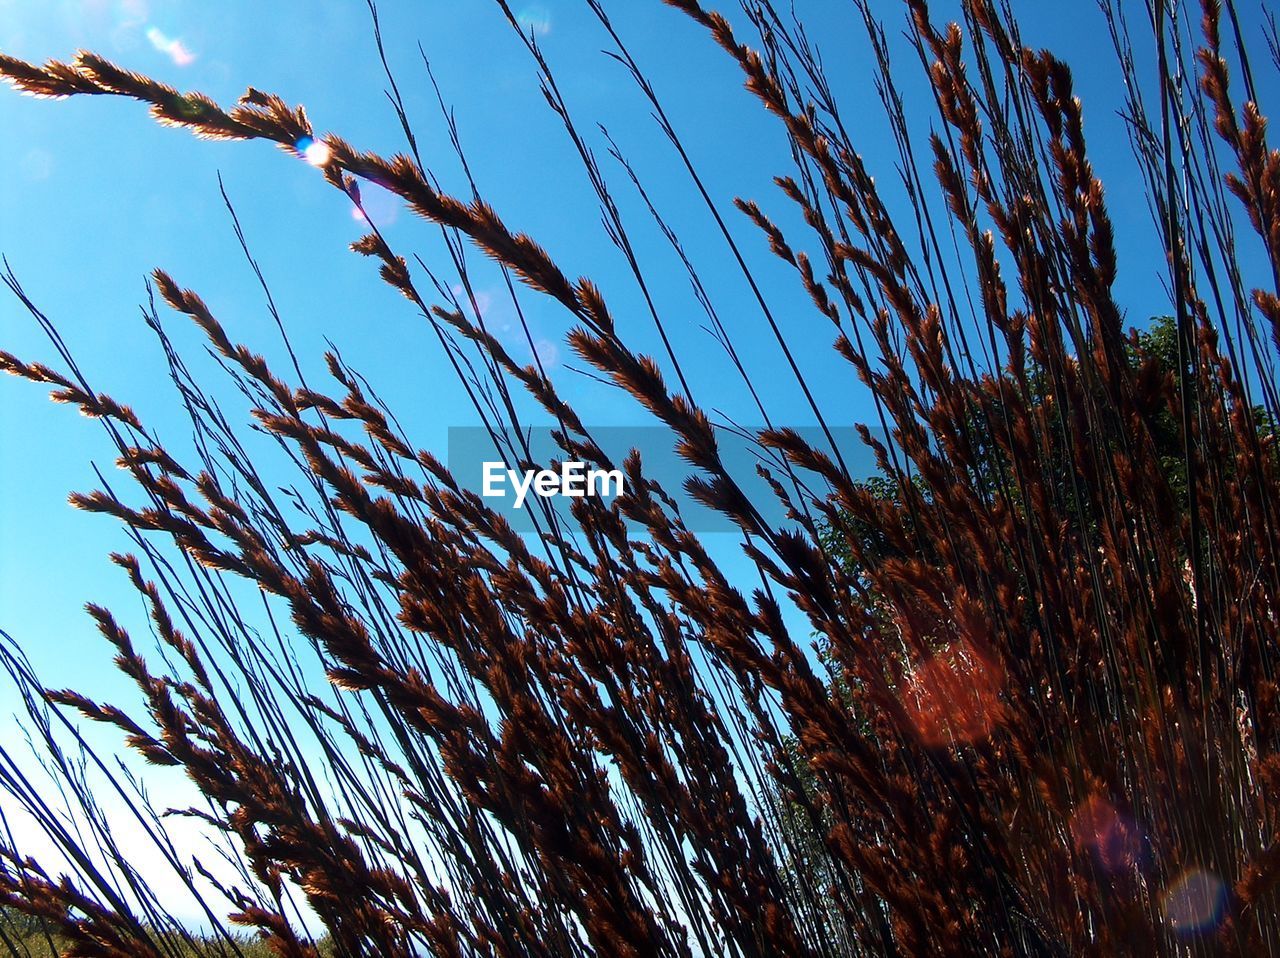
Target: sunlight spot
{"type": "Point", "coordinates": [176, 49]}
{"type": "Point", "coordinates": [1195, 902]}
{"type": "Point", "coordinates": [314, 151]}
{"type": "Point", "coordinates": [535, 19]}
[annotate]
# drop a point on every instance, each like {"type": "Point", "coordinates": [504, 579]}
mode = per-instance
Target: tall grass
{"type": "Point", "coordinates": [1048, 719]}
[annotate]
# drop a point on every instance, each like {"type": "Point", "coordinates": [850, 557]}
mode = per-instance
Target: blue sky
{"type": "Point", "coordinates": [94, 195]}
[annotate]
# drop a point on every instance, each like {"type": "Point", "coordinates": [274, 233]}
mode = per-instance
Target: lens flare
{"type": "Point", "coordinates": [953, 698]}
{"type": "Point", "coordinates": [535, 19]}
{"type": "Point", "coordinates": [378, 206]}
{"type": "Point", "coordinates": [1196, 902]}
{"type": "Point", "coordinates": [546, 352]}
{"type": "Point", "coordinates": [37, 164]}
{"type": "Point", "coordinates": [176, 50]}
{"type": "Point", "coordinates": [314, 151]}
{"type": "Point", "coordinates": [1113, 839]}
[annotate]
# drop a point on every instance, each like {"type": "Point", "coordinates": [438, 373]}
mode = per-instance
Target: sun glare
{"type": "Point", "coordinates": [314, 151]}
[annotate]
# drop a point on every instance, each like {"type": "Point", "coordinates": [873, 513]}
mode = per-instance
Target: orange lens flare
{"type": "Point", "coordinates": [953, 698]}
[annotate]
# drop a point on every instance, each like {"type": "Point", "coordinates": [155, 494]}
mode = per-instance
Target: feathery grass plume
{"type": "Point", "coordinates": [1044, 719]}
